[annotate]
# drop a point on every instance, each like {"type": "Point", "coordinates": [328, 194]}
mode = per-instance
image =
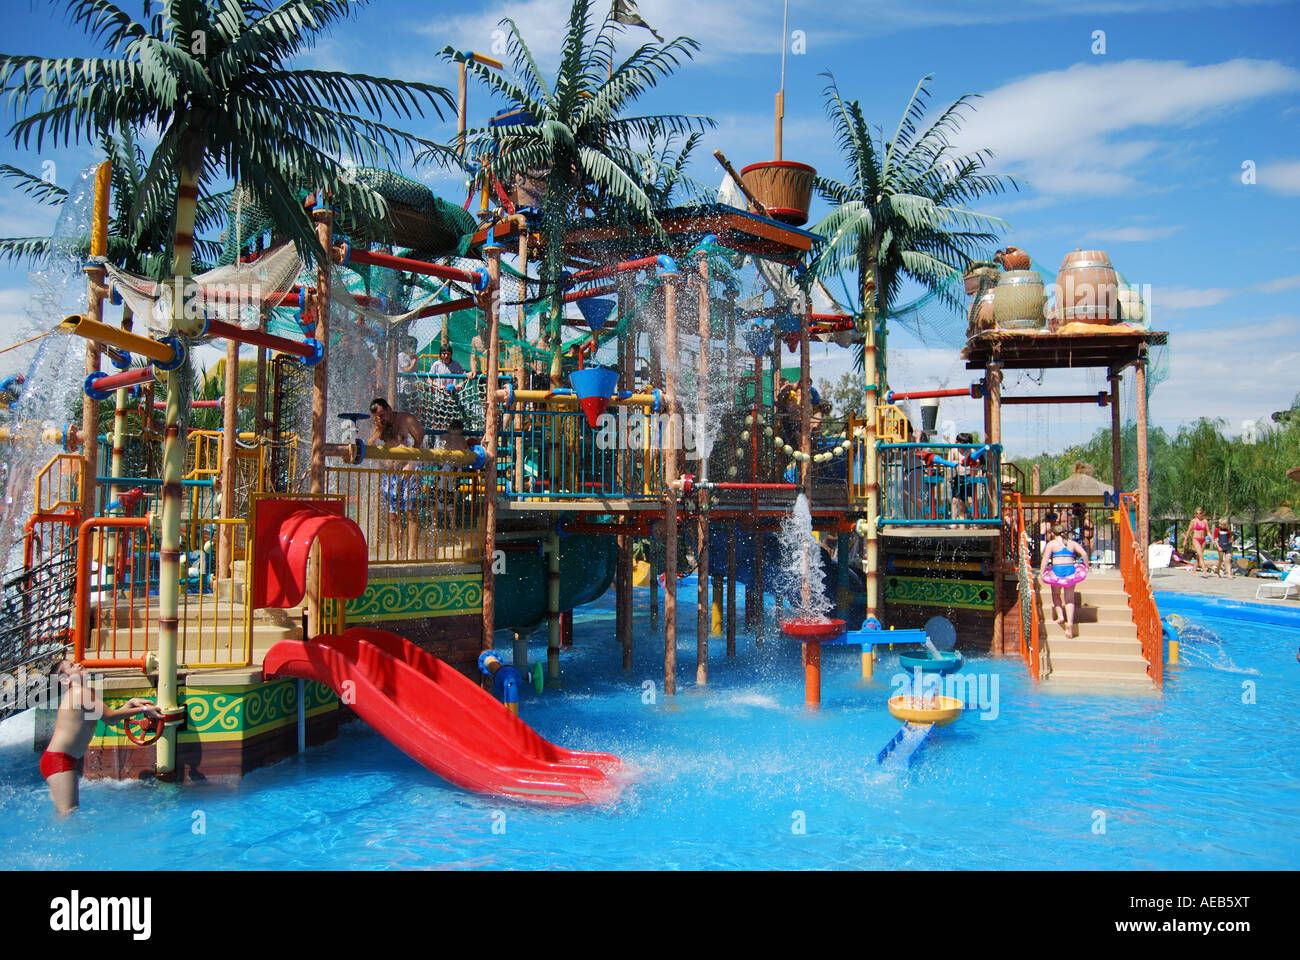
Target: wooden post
{"type": "Point", "coordinates": [462, 107]}
{"type": "Point", "coordinates": [1116, 436]}
{"type": "Point", "coordinates": [993, 431]}
{"type": "Point", "coordinates": [758, 589]}
{"type": "Point", "coordinates": [1144, 478]}
{"type": "Point", "coordinates": [489, 472]}
{"type": "Point", "coordinates": [671, 443]}
{"type": "Point", "coordinates": [805, 403]}
{"type": "Point", "coordinates": [390, 366]}
{"type": "Point", "coordinates": [627, 374]}
{"type": "Point", "coordinates": [324, 218]}
{"type": "Point", "coordinates": [729, 332]}
{"type": "Point", "coordinates": [871, 546]}
{"type": "Point", "coordinates": [95, 274]}
{"type": "Point", "coordinates": [704, 611]}
{"type": "Point", "coordinates": [229, 458]}
{"type": "Point", "coordinates": [120, 399]}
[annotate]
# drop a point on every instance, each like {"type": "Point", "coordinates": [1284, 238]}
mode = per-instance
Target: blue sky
{"type": "Point", "coordinates": [1138, 150]}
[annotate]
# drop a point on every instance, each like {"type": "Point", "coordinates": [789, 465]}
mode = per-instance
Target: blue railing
{"type": "Point", "coordinates": [555, 455]}
{"type": "Point", "coordinates": [924, 484]}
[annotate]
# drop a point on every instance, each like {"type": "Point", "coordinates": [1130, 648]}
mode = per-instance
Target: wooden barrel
{"type": "Point", "coordinates": [1087, 288]}
{"type": "Point", "coordinates": [784, 187]}
{"type": "Point", "coordinates": [1018, 301]}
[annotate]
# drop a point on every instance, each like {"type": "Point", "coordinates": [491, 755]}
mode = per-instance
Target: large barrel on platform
{"type": "Point", "coordinates": [784, 187]}
{"type": "Point", "coordinates": [1018, 301]}
{"type": "Point", "coordinates": [1087, 289]}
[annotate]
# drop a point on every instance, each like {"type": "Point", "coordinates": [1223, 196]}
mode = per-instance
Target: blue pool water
{"type": "Point", "coordinates": [1197, 778]}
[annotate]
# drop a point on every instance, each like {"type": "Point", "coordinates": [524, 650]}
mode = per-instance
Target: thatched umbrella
{"type": "Point", "coordinates": [1080, 483]}
{"type": "Point", "coordinates": [1294, 474]}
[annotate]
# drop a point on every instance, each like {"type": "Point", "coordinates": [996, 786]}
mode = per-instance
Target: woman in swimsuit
{"type": "Point", "coordinates": [1064, 556]}
{"type": "Point", "coordinates": [1198, 531]}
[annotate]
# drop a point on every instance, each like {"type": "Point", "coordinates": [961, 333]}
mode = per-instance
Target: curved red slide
{"type": "Point", "coordinates": [443, 720]}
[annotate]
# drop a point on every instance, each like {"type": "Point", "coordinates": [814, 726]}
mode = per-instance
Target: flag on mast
{"type": "Point", "coordinates": [625, 11]}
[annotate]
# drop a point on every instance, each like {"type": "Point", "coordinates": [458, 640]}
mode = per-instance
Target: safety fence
{"type": "Point", "coordinates": [36, 604]}
{"type": "Point", "coordinates": [413, 511]}
{"type": "Point", "coordinates": [1137, 584]}
{"type": "Point", "coordinates": [947, 483]}
{"type": "Point", "coordinates": [553, 454]}
{"type": "Point", "coordinates": [1027, 593]}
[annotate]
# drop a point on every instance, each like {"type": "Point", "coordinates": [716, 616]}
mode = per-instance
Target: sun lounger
{"type": "Point", "coordinates": [1291, 583]}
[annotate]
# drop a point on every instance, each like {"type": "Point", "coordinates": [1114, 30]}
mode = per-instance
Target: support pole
{"type": "Point", "coordinates": [324, 219]}
{"type": "Point", "coordinates": [493, 252]}
{"type": "Point", "coordinates": [627, 373]}
{"type": "Point", "coordinates": [553, 606]}
{"type": "Point", "coordinates": [1144, 478]}
{"type": "Point", "coordinates": [756, 611]}
{"type": "Point", "coordinates": [871, 548]}
{"type": "Point", "coordinates": [229, 458]}
{"type": "Point", "coordinates": [993, 430]}
{"type": "Point", "coordinates": [703, 610]}
{"type": "Point", "coordinates": [120, 398]}
{"type": "Point", "coordinates": [671, 445]}
{"type": "Point", "coordinates": [1116, 436]}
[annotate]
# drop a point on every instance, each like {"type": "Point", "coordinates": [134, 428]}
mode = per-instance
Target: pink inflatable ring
{"type": "Point", "coordinates": [1051, 579]}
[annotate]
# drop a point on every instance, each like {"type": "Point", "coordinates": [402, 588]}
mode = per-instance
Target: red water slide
{"type": "Point", "coordinates": [443, 720]}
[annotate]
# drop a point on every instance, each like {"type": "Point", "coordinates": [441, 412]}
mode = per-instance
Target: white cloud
{"type": "Point", "coordinates": [1131, 234]}
{"type": "Point", "coordinates": [1185, 298]}
{"type": "Point", "coordinates": [1280, 177]}
{"type": "Point", "coordinates": [1280, 284]}
{"type": "Point", "coordinates": [1086, 129]}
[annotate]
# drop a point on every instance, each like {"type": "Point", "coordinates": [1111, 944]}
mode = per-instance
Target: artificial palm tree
{"type": "Point", "coordinates": [575, 129]}
{"type": "Point", "coordinates": [215, 78]}
{"type": "Point", "coordinates": [901, 212]}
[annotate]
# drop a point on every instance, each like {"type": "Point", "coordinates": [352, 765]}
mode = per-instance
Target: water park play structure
{"type": "Point", "coordinates": [324, 572]}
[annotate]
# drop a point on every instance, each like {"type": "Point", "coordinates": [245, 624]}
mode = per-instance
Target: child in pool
{"type": "Point", "coordinates": [74, 725]}
{"type": "Point", "coordinates": [1064, 556]}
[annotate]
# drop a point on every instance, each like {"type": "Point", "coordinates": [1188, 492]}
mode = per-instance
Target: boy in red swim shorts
{"type": "Point", "coordinates": [74, 725]}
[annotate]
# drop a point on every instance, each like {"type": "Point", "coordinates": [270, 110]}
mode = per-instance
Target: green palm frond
{"type": "Point", "coordinates": [235, 108]}
{"type": "Point", "coordinates": [902, 210]}
{"type": "Point", "coordinates": [38, 188]}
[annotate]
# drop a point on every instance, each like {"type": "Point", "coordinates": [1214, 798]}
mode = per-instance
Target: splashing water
{"type": "Point", "coordinates": [800, 576]}
{"type": "Point", "coordinates": [1203, 647]}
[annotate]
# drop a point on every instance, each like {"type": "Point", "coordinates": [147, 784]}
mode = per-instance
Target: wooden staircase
{"type": "Point", "coordinates": [1107, 652]}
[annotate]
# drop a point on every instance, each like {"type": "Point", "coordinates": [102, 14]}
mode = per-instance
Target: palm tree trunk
{"type": "Point", "coordinates": [871, 555]}
{"type": "Point", "coordinates": [187, 193]}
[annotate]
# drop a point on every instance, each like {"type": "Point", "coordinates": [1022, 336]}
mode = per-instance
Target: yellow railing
{"type": "Point", "coordinates": [413, 512]}
{"type": "Point", "coordinates": [214, 627]}
{"type": "Point", "coordinates": [58, 485]}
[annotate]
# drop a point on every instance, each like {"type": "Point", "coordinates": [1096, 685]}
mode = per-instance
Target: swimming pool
{"type": "Point", "coordinates": [741, 776]}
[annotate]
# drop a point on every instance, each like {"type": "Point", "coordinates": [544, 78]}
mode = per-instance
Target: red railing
{"type": "Point", "coordinates": [1029, 639]}
{"type": "Point", "coordinates": [1133, 566]}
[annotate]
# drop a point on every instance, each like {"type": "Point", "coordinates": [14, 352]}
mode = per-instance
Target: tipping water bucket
{"type": "Point", "coordinates": [929, 414]}
{"type": "Point", "coordinates": [596, 311]}
{"type": "Point", "coordinates": [593, 387]}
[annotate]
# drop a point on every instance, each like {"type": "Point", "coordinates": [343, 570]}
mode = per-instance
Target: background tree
{"type": "Point", "coordinates": [901, 213]}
